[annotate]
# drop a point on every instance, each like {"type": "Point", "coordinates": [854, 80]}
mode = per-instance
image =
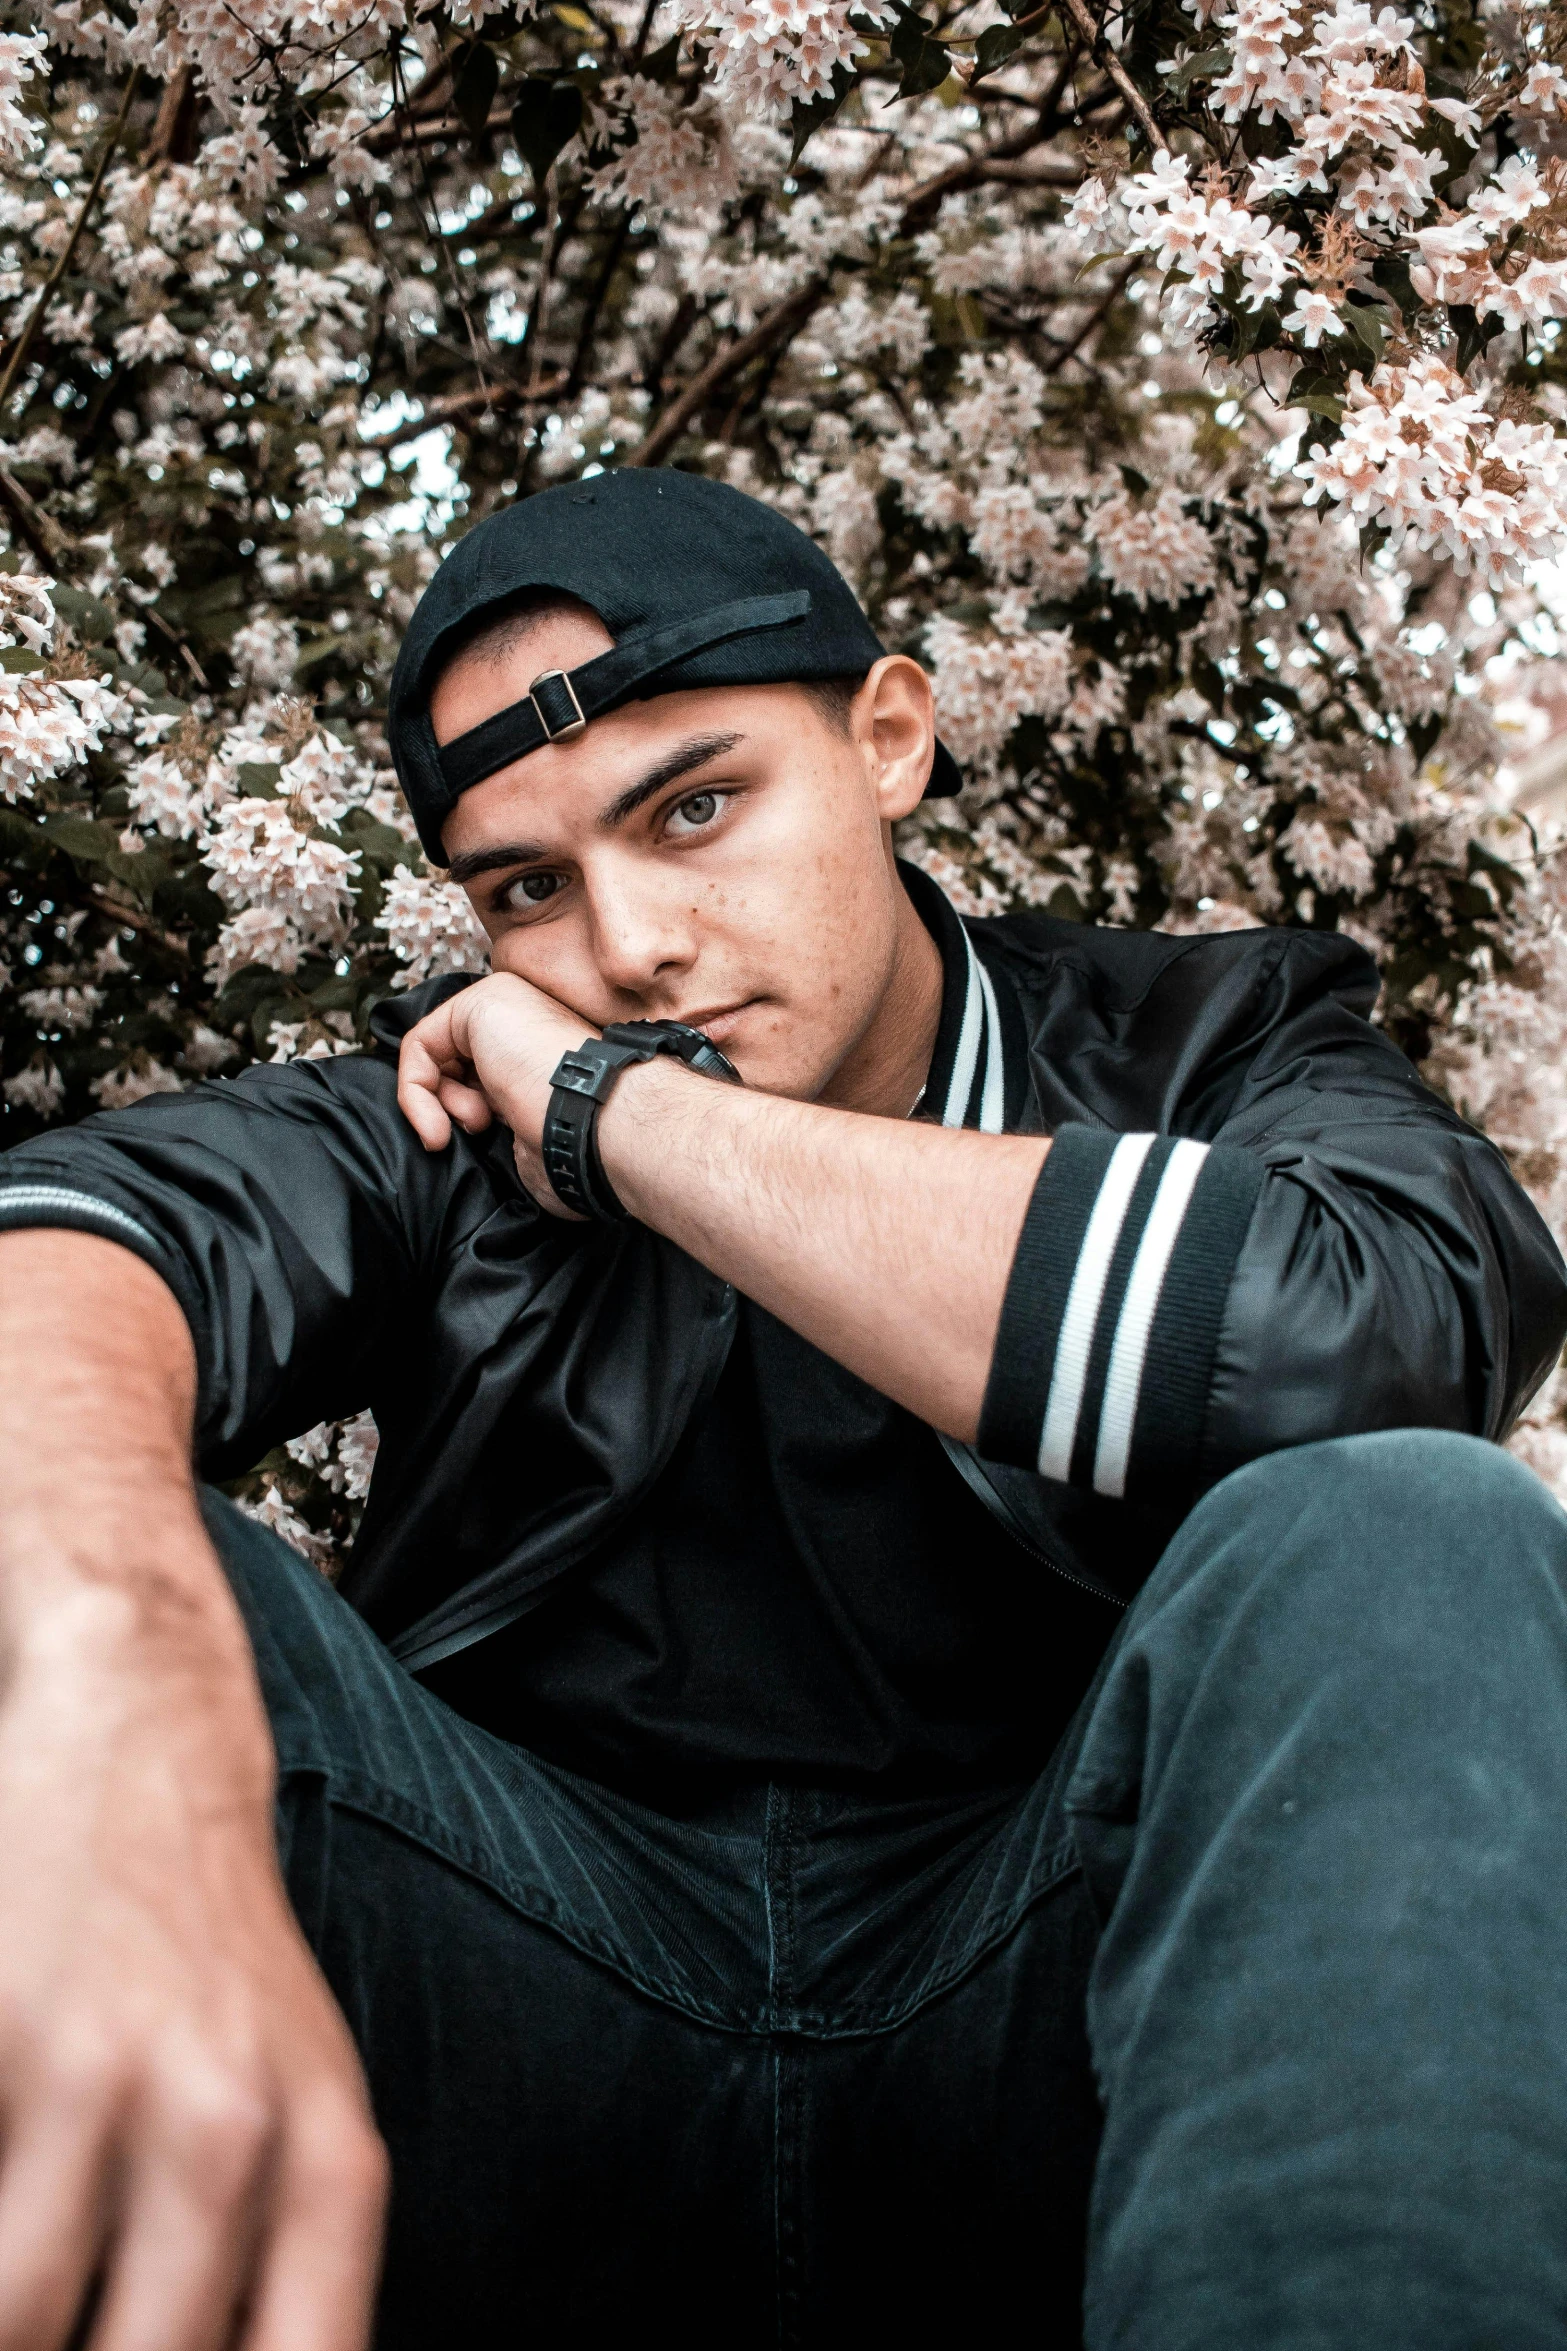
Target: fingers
{"type": "Point", "coordinates": [419, 1093]}
{"type": "Point", "coordinates": [435, 1087]}
{"type": "Point", "coordinates": [196, 2190]}
{"type": "Point", "coordinates": [316, 2290]}
{"type": "Point", "coordinates": [52, 2216]}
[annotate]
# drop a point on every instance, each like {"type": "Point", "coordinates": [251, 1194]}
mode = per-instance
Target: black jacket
{"type": "Point", "coordinates": [1256, 1228]}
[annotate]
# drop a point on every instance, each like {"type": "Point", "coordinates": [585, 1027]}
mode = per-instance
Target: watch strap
{"type": "Point", "coordinates": [584, 1078]}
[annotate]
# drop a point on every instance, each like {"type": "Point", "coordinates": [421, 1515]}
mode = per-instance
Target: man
{"type": "Point", "coordinates": [772, 1888]}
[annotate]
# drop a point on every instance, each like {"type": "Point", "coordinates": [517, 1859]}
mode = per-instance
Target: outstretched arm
{"type": "Point", "coordinates": [185, 2126]}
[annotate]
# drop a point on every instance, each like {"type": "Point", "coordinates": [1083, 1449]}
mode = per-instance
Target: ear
{"type": "Point", "coordinates": [893, 718]}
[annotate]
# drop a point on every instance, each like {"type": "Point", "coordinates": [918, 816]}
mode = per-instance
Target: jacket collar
{"type": "Point", "coordinates": [978, 1071]}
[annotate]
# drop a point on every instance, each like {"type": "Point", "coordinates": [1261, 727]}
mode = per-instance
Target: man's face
{"type": "Point", "coordinates": [721, 857]}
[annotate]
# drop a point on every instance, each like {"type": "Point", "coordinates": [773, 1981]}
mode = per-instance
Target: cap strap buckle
{"type": "Point", "coordinates": [557, 703]}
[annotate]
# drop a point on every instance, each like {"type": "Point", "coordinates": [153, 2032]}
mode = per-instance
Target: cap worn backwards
{"type": "Point", "coordinates": [698, 584]}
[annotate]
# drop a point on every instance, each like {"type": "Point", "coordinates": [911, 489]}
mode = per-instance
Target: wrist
{"type": "Point", "coordinates": [638, 1128]}
{"type": "Point", "coordinates": [124, 1578]}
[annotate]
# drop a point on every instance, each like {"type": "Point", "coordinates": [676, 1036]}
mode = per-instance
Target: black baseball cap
{"type": "Point", "coordinates": [698, 584]}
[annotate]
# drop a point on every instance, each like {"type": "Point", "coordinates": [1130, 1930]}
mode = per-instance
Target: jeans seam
{"type": "Point", "coordinates": [391, 1810]}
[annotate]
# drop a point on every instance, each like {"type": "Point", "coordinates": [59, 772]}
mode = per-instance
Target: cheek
{"type": "Point", "coordinates": [551, 956]}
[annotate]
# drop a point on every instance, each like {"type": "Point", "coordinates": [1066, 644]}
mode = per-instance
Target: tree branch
{"type": "Point", "coordinates": [1105, 56]}
{"type": "Point", "coordinates": [459, 407]}
{"type": "Point", "coordinates": [46, 291]}
{"type": "Point", "coordinates": [784, 318]}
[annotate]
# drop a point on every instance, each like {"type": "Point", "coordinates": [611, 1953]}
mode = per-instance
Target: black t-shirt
{"type": "Point", "coordinates": [810, 1593]}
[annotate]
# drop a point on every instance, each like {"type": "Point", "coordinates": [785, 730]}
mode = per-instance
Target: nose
{"type": "Point", "coordinates": [644, 927]}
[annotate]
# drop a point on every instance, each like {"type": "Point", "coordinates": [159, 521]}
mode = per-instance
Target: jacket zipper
{"type": "Point", "coordinates": [967, 1466]}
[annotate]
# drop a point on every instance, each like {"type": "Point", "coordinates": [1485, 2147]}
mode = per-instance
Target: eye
{"type": "Point", "coordinates": [534, 889]}
{"type": "Point", "coordinates": [696, 810]}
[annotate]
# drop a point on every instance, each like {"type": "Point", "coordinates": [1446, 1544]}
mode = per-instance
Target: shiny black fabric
{"type": "Point", "coordinates": [531, 1379]}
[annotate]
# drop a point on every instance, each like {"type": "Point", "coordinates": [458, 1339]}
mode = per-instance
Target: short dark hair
{"type": "Point", "coordinates": [501, 626]}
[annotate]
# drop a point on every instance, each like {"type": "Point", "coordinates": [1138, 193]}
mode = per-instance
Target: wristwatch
{"type": "Point", "coordinates": [584, 1078]}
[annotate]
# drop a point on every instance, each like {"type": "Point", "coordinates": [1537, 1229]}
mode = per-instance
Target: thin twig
{"type": "Point", "coordinates": [51, 545]}
{"type": "Point", "coordinates": [588, 326]}
{"type": "Point", "coordinates": [177, 102]}
{"type": "Point", "coordinates": [784, 318]}
{"type": "Point", "coordinates": [1095, 318]}
{"type": "Point", "coordinates": [1093, 34]}
{"type": "Point", "coordinates": [46, 291]}
{"type": "Point", "coordinates": [458, 407]}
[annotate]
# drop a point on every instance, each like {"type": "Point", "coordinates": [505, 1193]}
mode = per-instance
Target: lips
{"type": "Point", "coordinates": [715, 1025]}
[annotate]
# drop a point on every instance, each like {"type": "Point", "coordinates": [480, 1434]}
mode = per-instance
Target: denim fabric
{"type": "Point", "coordinates": [1287, 1910]}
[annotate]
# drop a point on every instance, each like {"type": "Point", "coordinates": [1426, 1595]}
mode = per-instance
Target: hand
{"type": "Point", "coordinates": [489, 1053]}
{"type": "Point", "coordinates": [184, 2119]}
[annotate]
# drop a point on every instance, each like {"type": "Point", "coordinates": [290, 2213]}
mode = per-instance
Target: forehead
{"type": "Point", "coordinates": [564, 788]}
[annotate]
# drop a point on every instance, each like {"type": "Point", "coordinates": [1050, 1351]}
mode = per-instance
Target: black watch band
{"type": "Point", "coordinates": [584, 1078]}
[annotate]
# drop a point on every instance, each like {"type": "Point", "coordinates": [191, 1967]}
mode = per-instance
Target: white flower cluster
{"type": "Point", "coordinates": [1200, 236]}
{"type": "Point", "coordinates": [432, 928]}
{"type": "Point", "coordinates": [1459, 255]}
{"type": "Point", "coordinates": [1153, 551]}
{"type": "Point", "coordinates": [675, 157]}
{"type": "Point", "coordinates": [767, 53]}
{"type": "Point", "coordinates": [1421, 456]}
{"type": "Point", "coordinates": [985, 684]}
{"type": "Point", "coordinates": [47, 725]}
{"type": "Point", "coordinates": [341, 1452]}
{"type": "Point", "coordinates": [21, 57]}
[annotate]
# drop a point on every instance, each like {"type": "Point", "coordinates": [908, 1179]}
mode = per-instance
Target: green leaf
{"type": "Point", "coordinates": [1206, 66]}
{"type": "Point", "coordinates": [17, 662]}
{"type": "Point", "coordinates": [257, 779]}
{"type": "Point", "coordinates": [473, 94]}
{"type": "Point", "coordinates": [311, 655]}
{"type": "Point", "coordinates": [82, 838]}
{"type": "Point", "coordinates": [1256, 330]}
{"type": "Point", "coordinates": [88, 615]}
{"type": "Point", "coordinates": [1473, 334]}
{"type": "Point", "coordinates": [1315, 391]}
{"type": "Point", "coordinates": [1391, 272]}
{"type": "Point", "coordinates": [994, 47]}
{"type": "Point", "coordinates": [1367, 322]}
{"type": "Point", "coordinates": [809, 115]}
{"type": "Point", "coordinates": [546, 117]}
{"type": "Point", "coordinates": [664, 63]}
{"type": "Point", "coordinates": [925, 62]}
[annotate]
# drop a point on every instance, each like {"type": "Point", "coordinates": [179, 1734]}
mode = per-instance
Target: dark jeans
{"type": "Point", "coordinates": [1253, 2009]}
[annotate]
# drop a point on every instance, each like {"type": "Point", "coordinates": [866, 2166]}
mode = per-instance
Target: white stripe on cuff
{"type": "Point", "coordinates": [1128, 1354]}
{"type": "Point", "coordinates": [992, 1106]}
{"type": "Point", "coordinates": [32, 1197]}
{"type": "Point", "coordinates": [967, 1057]}
{"type": "Point", "coordinates": [1070, 1375]}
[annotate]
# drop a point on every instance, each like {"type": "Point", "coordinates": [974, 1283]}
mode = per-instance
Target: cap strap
{"type": "Point", "coordinates": [569, 698]}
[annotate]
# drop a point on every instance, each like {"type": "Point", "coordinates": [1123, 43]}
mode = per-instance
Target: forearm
{"type": "Point", "coordinates": [885, 1243]}
{"type": "Point", "coordinates": [99, 1524]}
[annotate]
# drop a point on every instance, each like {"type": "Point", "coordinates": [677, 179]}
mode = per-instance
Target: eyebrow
{"type": "Point", "coordinates": [695, 752]}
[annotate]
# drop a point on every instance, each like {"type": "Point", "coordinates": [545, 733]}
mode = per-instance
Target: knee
{"type": "Point", "coordinates": [1425, 1515]}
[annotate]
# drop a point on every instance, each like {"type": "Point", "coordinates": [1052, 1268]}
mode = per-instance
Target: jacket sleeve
{"type": "Point", "coordinates": [293, 1213]}
{"type": "Point", "coordinates": [1314, 1245]}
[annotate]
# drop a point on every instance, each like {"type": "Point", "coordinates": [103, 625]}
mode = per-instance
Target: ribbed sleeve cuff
{"type": "Point", "coordinates": [30, 1202]}
{"type": "Point", "coordinates": [1105, 1350]}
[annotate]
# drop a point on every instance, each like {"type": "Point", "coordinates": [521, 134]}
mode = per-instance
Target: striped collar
{"type": "Point", "coordinates": [979, 1068]}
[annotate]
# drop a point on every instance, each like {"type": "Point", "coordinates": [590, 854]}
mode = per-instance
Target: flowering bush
{"type": "Point", "coordinates": [1183, 383]}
